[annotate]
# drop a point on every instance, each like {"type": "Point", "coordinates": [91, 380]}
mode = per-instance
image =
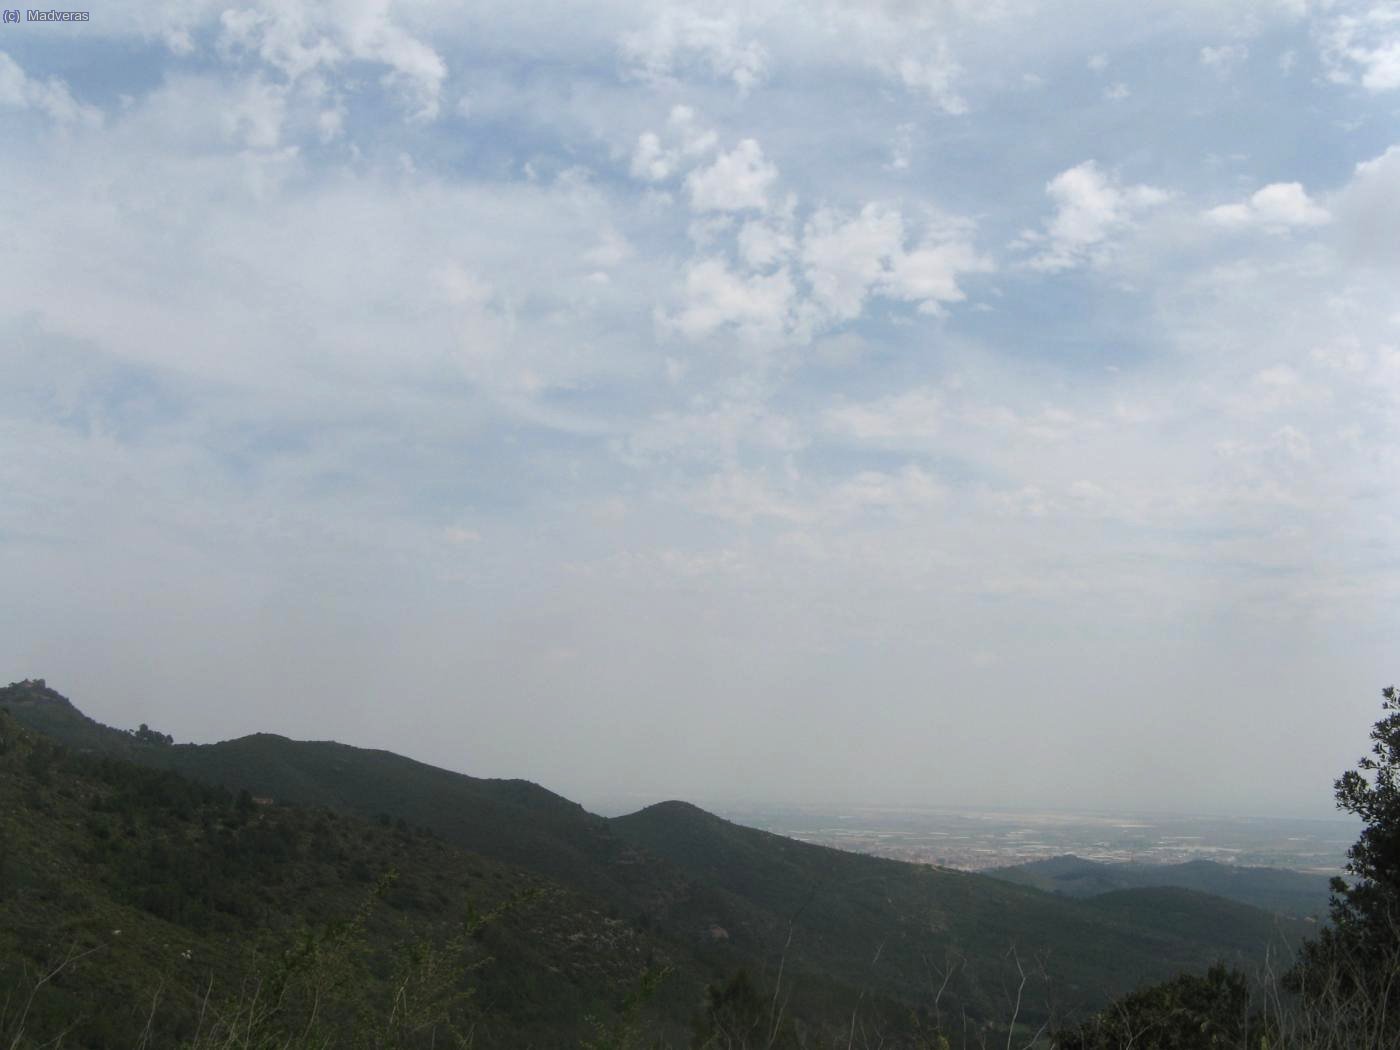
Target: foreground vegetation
{"type": "Point", "coordinates": [142, 907]}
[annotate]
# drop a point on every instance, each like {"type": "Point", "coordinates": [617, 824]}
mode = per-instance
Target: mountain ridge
{"type": "Point", "coordinates": [1281, 890]}
{"type": "Point", "coordinates": [725, 896]}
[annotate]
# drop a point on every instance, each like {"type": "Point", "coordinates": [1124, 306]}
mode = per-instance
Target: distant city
{"type": "Point", "coordinates": [975, 840]}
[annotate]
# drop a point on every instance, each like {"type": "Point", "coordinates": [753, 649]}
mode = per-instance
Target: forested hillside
{"type": "Point", "coordinates": [1289, 893]}
{"type": "Point", "coordinates": [227, 850]}
{"type": "Point", "coordinates": [159, 905]}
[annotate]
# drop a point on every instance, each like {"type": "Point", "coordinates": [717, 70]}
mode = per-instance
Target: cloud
{"type": "Point", "coordinates": [737, 181]}
{"type": "Point", "coordinates": [755, 305]}
{"type": "Point", "coordinates": [366, 248]}
{"type": "Point", "coordinates": [1275, 208]}
{"type": "Point", "coordinates": [763, 243]}
{"type": "Point", "coordinates": [1278, 388]}
{"type": "Point", "coordinates": [928, 274]}
{"type": "Point", "coordinates": [909, 490]}
{"type": "Point", "coordinates": [302, 40]}
{"type": "Point", "coordinates": [50, 97]}
{"type": "Point", "coordinates": [1091, 207]}
{"type": "Point", "coordinates": [1223, 59]}
{"type": "Point", "coordinates": [1365, 47]}
{"type": "Point", "coordinates": [912, 418]}
{"type": "Point", "coordinates": [266, 325]}
{"type": "Point", "coordinates": [930, 418]}
{"type": "Point", "coordinates": [650, 161]}
{"type": "Point", "coordinates": [847, 258]}
{"type": "Point", "coordinates": [461, 287]}
{"type": "Point", "coordinates": [743, 496]}
{"type": "Point", "coordinates": [1367, 210]}
{"type": "Point", "coordinates": [655, 160]}
{"type": "Point", "coordinates": [286, 39]}
{"type": "Point", "coordinates": [902, 148]}
{"type": "Point", "coordinates": [681, 41]}
{"type": "Point", "coordinates": [934, 76]}
{"type": "Point", "coordinates": [256, 117]}
{"type": "Point", "coordinates": [747, 496]}
{"type": "Point", "coordinates": [800, 283]}
{"type": "Point", "coordinates": [611, 250]}
{"type": "Point", "coordinates": [714, 434]}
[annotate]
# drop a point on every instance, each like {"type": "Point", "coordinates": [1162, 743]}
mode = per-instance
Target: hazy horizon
{"type": "Point", "coordinates": [612, 803]}
{"type": "Point", "coordinates": [972, 405]}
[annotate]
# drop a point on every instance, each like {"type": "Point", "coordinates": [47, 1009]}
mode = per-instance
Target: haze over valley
{"type": "Point", "coordinates": [975, 840]}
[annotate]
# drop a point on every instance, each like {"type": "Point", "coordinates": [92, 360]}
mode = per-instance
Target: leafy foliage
{"type": "Point", "coordinates": [1186, 1013]}
{"type": "Point", "coordinates": [1368, 908]}
{"type": "Point", "coordinates": [1353, 967]}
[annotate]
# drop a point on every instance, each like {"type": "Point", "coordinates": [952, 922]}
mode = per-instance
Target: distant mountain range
{"type": "Point", "coordinates": [1278, 890]}
{"type": "Point", "coordinates": [848, 932]}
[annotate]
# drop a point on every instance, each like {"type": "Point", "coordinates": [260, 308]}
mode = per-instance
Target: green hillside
{"type": "Point", "coordinates": [512, 820]}
{"type": "Point", "coordinates": [852, 906]}
{"type": "Point", "coordinates": [1289, 893]}
{"type": "Point", "coordinates": [847, 932]}
{"type": "Point", "coordinates": [173, 901]}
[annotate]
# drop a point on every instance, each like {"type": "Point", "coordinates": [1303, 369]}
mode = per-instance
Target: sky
{"type": "Point", "coordinates": [947, 403]}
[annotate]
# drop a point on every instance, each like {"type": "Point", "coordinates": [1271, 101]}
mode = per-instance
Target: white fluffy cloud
{"type": "Point", "coordinates": [755, 305]}
{"type": "Point", "coordinates": [658, 157]}
{"type": "Point", "coordinates": [650, 161]}
{"type": "Point", "coordinates": [300, 40]}
{"type": "Point", "coordinates": [844, 257]}
{"type": "Point", "coordinates": [737, 181]}
{"type": "Point", "coordinates": [1091, 206]}
{"type": "Point", "coordinates": [844, 261]}
{"type": "Point", "coordinates": [928, 274]}
{"type": "Point", "coordinates": [848, 258]}
{"type": "Point", "coordinates": [763, 243]}
{"type": "Point", "coordinates": [1364, 46]}
{"type": "Point", "coordinates": [1276, 207]}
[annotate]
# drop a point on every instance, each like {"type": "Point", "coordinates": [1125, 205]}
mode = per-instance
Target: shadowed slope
{"type": "Point", "coordinates": [728, 896]}
{"type": "Point", "coordinates": [851, 907]}
{"type": "Point", "coordinates": [1287, 892]}
{"type": "Point", "coordinates": [512, 820]}
{"type": "Point", "coordinates": [163, 891]}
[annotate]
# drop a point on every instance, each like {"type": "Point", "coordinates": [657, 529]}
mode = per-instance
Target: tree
{"type": "Point", "coordinates": [146, 735]}
{"type": "Point", "coordinates": [1356, 962]}
{"type": "Point", "coordinates": [1186, 1013]}
{"type": "Point", "coordinates": [1368, 907]}
{"type": "Point", "coordinates": [738, 1015]}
